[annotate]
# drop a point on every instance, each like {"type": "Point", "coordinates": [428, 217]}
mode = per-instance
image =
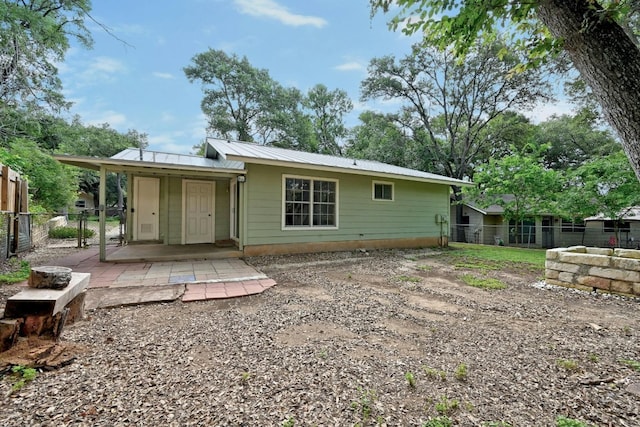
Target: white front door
{"type": "Point", "coordinates": [146, 207]}
{"type": "Point", "coordinates": [199, 209]}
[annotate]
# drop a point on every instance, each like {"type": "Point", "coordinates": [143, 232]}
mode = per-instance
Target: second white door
{"type": "Point", "coordinates": [199, 210]}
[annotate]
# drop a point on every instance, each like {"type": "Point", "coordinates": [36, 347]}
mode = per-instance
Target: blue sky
{"type": "Point", "coordinates": [138, 82]}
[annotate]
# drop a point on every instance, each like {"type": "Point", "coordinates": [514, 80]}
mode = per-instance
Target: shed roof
{"type": "Point", "coordinates": [260, 154]}
{"type": "Point", "coordinates": [133, 157]}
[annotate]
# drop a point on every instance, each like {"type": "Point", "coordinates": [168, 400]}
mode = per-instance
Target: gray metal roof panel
{"type": "Point", "coordinates": [247, 151]}
{"type": "Point", "coordinates": [133, 154]}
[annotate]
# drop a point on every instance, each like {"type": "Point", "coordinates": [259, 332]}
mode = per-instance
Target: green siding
{"type": "Point", "coordinates": [410, 215]}
{"type": "Point", "coordinates": [174, 210]}
{"type": "Point", "coordinates": [223, 223]}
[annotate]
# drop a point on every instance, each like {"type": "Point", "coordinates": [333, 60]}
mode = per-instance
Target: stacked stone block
{"type": "Point", "coordinates": [610, 270]}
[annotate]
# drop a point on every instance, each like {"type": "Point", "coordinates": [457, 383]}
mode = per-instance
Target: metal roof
{"type": "Point", "coordinates": [260, 154]}
{"type": "Point", "coordinates": [133, 154]}
{"type": "Point", "coordinates": [130, 158]}
{"type": "Point", "coordinates": [631, 213]}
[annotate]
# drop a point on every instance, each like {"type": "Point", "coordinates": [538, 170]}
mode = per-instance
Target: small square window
{"type": "Point", "coordinates": [382, 191]}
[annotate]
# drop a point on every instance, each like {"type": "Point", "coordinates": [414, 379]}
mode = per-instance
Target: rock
{"type": "Point", "coordinates": [49, 277]}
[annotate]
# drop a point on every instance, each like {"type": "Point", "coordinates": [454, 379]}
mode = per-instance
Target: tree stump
{"type": "Point", "coordinates": [49, 277]}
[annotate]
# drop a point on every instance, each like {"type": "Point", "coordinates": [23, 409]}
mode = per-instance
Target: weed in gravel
{"type": "Point", "coordinates": [569, 422]}
{"type": "Point", "coordinates": [442, 421]}
{"type": "Point", "coordinates": [632, 364]}
{"type": "Point", "coordinates": [461, 372]}
{"type": "Point", "coordinates": [482, 282]}
{"type": "Point", "coordinates": [364, 405]}
{"type": "Point", "coordinates": [16, 271]}
{"type": "Point", "coordinates": [627, 331]}
{"type": "Point", "coordinates": [290, 422]}
{"type": "Point", "coordinates": [447, 406]}
{"type": "Point", "coordinates": [23, 375]}
{"type": "Point", "coordinates": [245, 377]}
{"type": "Point", "coordinates": [568, 364]}
{"type": "Point", "coordinates": [323, 354]}
{"type": "Point", "coordinates": [425, 267]}
{"type": "Point", "coordinates": [411, 279]}
{"type": "Point", "coordinates": [435, 373]}
{"type": "Point", "coordinates": [593, 358]}
{"type": "Point", "coordinates": [411, 379]}
{"type": "Point", "coordinates": [476, 266]}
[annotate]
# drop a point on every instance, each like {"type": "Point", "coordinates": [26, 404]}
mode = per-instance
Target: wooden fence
{"type": "Point", "coordinates": [15, 221]}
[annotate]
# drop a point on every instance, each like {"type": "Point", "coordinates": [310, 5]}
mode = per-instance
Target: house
{"type": "Point", "coordinates": [266, 200]}
{"type": "Point", "coordinates": [488, 226]}
{"type": "Point", "coordinates": [603, 231]}
{"type": "Point", "coordinates": [84, 202]}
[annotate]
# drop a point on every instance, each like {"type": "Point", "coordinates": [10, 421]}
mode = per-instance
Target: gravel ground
{"type": "Point", "coordinates": [334, 343]}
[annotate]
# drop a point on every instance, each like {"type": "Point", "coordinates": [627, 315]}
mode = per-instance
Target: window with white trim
{"type": "Point", "coordinates": [310, 202]}
{"type": "Point", "coordinates": [382, 190]}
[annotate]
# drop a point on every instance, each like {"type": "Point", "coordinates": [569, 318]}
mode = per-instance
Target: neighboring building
{"type": "Point", "coordinates": [84, 202]}
{"type": "Point", "coordinates": [266, 200]}
{"type": "Point", "coordinates": [488, 226]}
{"type": "Point", "coordinates": [603, 229]}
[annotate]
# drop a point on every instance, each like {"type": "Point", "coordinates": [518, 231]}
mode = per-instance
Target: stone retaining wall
{"type": "Point", "coordinates": [611, 270]}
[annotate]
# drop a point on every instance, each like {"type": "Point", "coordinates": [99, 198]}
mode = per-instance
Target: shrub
{"type": "Point", "coordinates": [69, 233]}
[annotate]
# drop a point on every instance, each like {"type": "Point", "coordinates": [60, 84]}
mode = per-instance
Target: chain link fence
{"type": "Point", "coordinates": [537, 236]}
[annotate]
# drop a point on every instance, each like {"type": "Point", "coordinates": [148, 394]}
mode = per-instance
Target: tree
{"type": "Point", "coordinates": [51, 185]}
{"type": "Point", "coordinates": [245, 103]}
{"type": "Point", "coordinates": [328, 109]}
{"type": "Point", "coordinates": [591, 32]}
{"type": "Point", "coordinates": [448, 104]}
{"type": "Point", "coordinates": [35, 35]}
{"type": "Point", "coordinates": [573, 141]}
{"type": "Point", "coordinates": [520, 184]}
{"type": "Point", "coordinates": [604, 185]}
{"type": "Point", "coordinates": [380, 138]}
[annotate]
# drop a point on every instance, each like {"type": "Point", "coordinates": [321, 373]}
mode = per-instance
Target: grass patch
{"type": "Point", "coordinates": [17, 271]}
{"type": "Point", "coordinates": [411, 279]}
{"type": "Point", "coordinates": [499, 256]}
{"type": "Point", "coordinates": [632, 364]}
{"type": "Point", "coordinates": [568, 364]}
{"type": "Point", "coordinates": [483, 282]}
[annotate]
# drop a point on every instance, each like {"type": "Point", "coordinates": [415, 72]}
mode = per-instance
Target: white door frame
{"type": "Point", "coordinates": [233, 209]}
{"type": "Point", "coordinates": [146, 207]}
{"type": "Point", "coordinates": [211, 211]}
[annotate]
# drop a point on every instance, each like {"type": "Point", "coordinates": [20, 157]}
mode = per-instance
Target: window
{"type": "Point", "coordinates": [382, 190]}
{"type": "Point", "coordinates": [623, 226]}
{"type": "Point", "coordinates": [522, 232]}
{"type": "Point", "coordinates": [81, 203]}
{"type": "Point", "coordinates": [310, 202]}
{"type": "Point", "coordinates": [572, 226]}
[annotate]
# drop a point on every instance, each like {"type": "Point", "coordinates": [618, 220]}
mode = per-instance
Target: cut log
{"type": "Point", "coordinates": [49, 277]}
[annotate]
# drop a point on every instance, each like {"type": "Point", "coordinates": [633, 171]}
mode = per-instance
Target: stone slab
{"type": "Point", "coordinates": [40, 302]}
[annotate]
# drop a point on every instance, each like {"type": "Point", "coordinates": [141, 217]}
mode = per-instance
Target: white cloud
{"type": "Point", "coordinates": [160, 75]}
{"type": "Point", "coordinates": [273, 10]}
{"type": "Point", "coordinates": [350, 66]}
{"type": "Point", "coordinates": [545, 111]}
{"type": "Point", "coordinates": [113, 118]}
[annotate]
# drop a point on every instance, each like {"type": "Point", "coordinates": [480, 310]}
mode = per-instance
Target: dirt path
{"type": "Point", "coordinates": [333, 343]}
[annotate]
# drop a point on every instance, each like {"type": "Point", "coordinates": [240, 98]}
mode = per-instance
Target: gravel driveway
{"type": "Point", "coordinates": [388, 338]}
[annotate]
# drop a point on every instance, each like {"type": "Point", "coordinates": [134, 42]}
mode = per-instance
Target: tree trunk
{"type": "Point", "coordinates": [460, 229]}
{"type": "Point", "coordinates": [608, 61]}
